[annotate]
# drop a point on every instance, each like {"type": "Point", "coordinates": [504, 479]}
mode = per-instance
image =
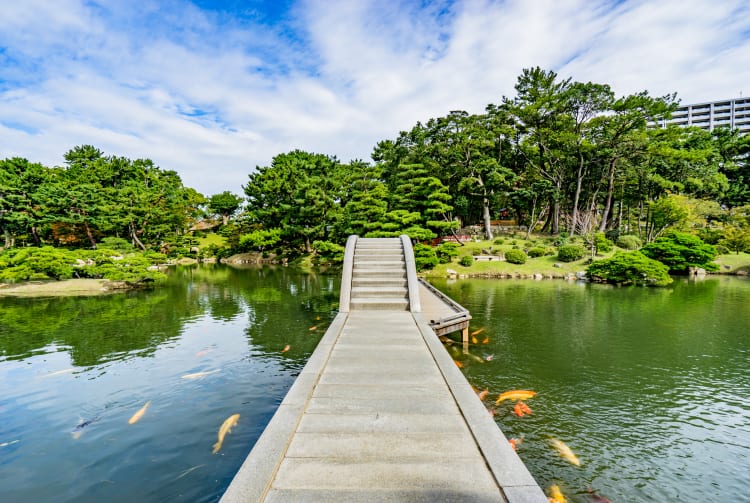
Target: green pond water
{"type": "Point", "coordinates": [649, 387]}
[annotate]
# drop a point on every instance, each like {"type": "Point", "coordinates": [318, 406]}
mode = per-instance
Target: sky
{"type": "Point", "coordinates": [214, 88]}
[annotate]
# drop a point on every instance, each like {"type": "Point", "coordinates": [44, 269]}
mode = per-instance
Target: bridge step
{"type": "Point", "coordinates": [381, 304]}
{"type": "Point", "coordinates": [379, 276]}
{"type": "Point", "coordinates": [360, 292]}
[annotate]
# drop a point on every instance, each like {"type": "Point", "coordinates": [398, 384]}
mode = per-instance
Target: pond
{"type": "Point", "coordinates": [649, 388]}
{"type": "Point", "coordinates": [214, 342]}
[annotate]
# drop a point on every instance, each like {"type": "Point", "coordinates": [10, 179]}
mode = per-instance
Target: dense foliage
{"type": "Point", "coordinates": [571, 253]}
{"type": "Point", "coordinates": [680, 251]}
{"type": "Point", "coordinates": [630, 268]}
{"type": "Point", "coordinates": [515, 257]}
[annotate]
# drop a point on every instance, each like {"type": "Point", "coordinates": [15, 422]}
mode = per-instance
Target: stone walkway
{"type": "Point", "coordinates": [381, 414]}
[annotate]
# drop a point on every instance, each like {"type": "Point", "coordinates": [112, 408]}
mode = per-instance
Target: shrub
{"type": "Point", "coordinates": [571, 253]}
{"type": "Point", "coordinates": [515, 257]}
{"type": "Point", "coordinates": [603, 245]}
{"type": "Point", "coordinates": [630, 268]}
{"type": "Point", "coordinates": [498, 241]}
{"type": "Point", "coordinates": [446, 251]}
{"type": "Point", "coordinates": [537, 252]}
{"type": "Point", "coordinates": [629, 242]}
{"type": "Point", "coordinates": [679, 251]}
{"type": "Point", "coordinates": [119, 244]}
{"type": "Point", "coordinates": [329, 252]}
{"type": "Point", "coordinates": [425, 257]}
{"type": "Point", "coordinates": [466, 261]}
{"type": "Point", "coordinates": [36, 263]}
{"type": "Point", "coordinates": [259, 240]}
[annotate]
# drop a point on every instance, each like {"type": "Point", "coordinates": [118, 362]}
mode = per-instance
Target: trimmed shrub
{"type": "Point", "coordinates": [571, 253]}
{"type": "Point", "coordinates": [630, 268]}
{"type": "Point", "coordinates": [328, 252]}
{"type": "Point", "coordinates": [466, 261]}
{"type": "Point", "coordinates": [537, 252]}
{"type": "Point", "coordinates": [515, 257]}
{"type": "Point", "coordinates": [446, 251]}
{"type": "Point", "coordinates": [498, 241]}
{"type": "Point", "coordinates": [680, 251]}
{"type": "Point", "coordinates": [425, 257]}
{"type": "Point", "coordinates": [629, 242]}
{"type": "Point", "coordinates": [603, 245]}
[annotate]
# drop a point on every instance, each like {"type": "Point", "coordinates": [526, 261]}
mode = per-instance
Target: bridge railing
{"type": "Point", "coordinates": [411, 275]}
{"type": "Point", "coordinates": [345, 295]}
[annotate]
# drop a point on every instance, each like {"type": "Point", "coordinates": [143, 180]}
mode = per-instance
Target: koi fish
{"type": "Point", "coordinates": [477, 332]}
{"type": "Point", "coordinates": [189, 470]}
{"type": "Point", "coordinates": [314, 327]}
{"type": "Point", "coordinates": [203, 352]}
{"type": "Point", "coordinates": [492, 412]}
{"type": "Point", "coordinates": [78, 430]}
{"type": "Point", "coordinates": [595, 498]}
{"type": "Point", "coordinates": [59, 372]}
{"type": "Point", "coordinates": [489, 358]}
{"type": "Point", "coordinates": [138, 415]}
{"type": "Point", "coordinates": [521, 409]}
{"type": "Point", "coordinates": [474, 340]}
{"type": "Point", "coordinates": [317, 318]}
{"type": "Point", "coordinates": [226, 427]}
{"type": "Point", "coordinates": [555, 495]}
{"type": "Point", "coordinates": [515, 442]}
{"type": "Point", "coordinates": [458, 364]}
{"type": "Point", "coordinates": [516, 395]}
{"type": "Point", "coordinates": [565, 451]}
{"type": "Point", "coordinates": [486, 340]}
{"type": "Point", "coordinates": [6, 444]}
{"type": "Point", "coordinates": [198, 375]}
{"type": "Point", "coordinates": [286, 348]}
{"type": "Point", "coordinates": [483, 394]}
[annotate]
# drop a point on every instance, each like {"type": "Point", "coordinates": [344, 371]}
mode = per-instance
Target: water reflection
{"type": "Point", "coordinates": [649, 387]}
{"type": "Point", "coordinates": [75, 370]}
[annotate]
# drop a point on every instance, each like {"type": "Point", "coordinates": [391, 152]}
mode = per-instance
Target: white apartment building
{"type": "Point", "coordinates": [734, 114]}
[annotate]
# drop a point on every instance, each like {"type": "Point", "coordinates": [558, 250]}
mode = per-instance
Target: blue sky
{"type": "Point", "coordinates": [212, 89]}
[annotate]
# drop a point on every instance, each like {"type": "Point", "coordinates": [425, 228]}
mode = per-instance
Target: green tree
{"type": "Point", "coordinates": [736, 239]}
{"type": "Point", "coordinates": [224, 205]}
{"type": "Point", "coordinates": [299, 194]}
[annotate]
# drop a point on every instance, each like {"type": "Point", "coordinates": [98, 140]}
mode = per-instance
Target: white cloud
{"type": "Point", "coordinates": [212, 97]}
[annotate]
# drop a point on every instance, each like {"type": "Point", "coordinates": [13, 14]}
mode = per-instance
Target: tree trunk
{"type": "Point", "coordinates": [35, 235]}
{"type": "Point", "coordinates": [8, 239]}
{"type": "Point", "coordinates": [134, 236]}
{"type": "Point", "coordinates": [610, 195]}
{"type": "Point", "coordinates": [486, 217]}
{"type": "Point", "coordinates": [579, 183]}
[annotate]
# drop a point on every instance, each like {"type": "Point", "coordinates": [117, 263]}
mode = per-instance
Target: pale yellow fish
{"type": "Point", "coordinates": [565, 451]}
{"type": "Point", "coordinates": [138, 415]}
{"type": "Point", "coordinates": [555, 495]}
{"type": "Point", "coordinates": [6, 444]}
{"type": "Point", "coordinates": [198, 375]}
{"type": "Point", "coordinates": [516, 394]}
{"type": "Point", "coordinates": [59, 372]}
{"type": "Point", "coordinates": [226, 427]}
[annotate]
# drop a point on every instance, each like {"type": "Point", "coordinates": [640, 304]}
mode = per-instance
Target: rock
{"type": "Point", "coordinates": [727, 267]}
{"type": "Point", "coordinates": [743, 273]}
{"type": "Point", "coordinates": [696, 271]}
{"type": "Point", "coordinates": [557, 264]}
{"type": "Point", "coordinates": [451, 273]}
{"type": "Point", "coordinates": [581, 275]}
{"type": "Point", "coordinates": [538, 276]}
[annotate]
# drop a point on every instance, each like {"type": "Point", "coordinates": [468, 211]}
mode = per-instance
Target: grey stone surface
{"type": "Point", "coordinates": [381, 413]}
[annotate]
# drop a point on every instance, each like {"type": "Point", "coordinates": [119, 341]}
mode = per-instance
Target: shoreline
{"type": "Point", "coordinates": [65, 287]}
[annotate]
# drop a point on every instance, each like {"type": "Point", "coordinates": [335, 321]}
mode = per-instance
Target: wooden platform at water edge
{"type": "Point", "coordinates": [380, 413]}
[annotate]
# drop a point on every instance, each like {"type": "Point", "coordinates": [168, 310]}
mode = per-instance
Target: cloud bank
{"type": "Point", "coordinates": [212, 90]}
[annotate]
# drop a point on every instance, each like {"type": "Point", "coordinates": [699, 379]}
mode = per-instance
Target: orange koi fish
{"type": "Point", "coordinates": [515, 442]}
{"type": "Point", "coordinates": [203, 352]}
{"type": "Point", "coordinates": [477, 332]}
{"type": "Point", "coordinates": [515, 395]}
{"type": "Point", "coordinates": [138, 415]}
{"type": "Point", "coordinates": [521, 409]}
{"type": "Point", "coordinates": [226, 427]}
{"type": "Point", "coordinates": [486, 340]}
{"type": "Point", "coordinates": [483, 394]}
{"type": "Point", "coordinates": [286, 348]}
{"type": "Point", "coordinates": [565, 451]}
{"type": "Point", "coordinates": [555, 495]}
{"type": "Point", "coordinates": [313, 328]}
{"type": "Point", "coordinates": [458, 364]}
